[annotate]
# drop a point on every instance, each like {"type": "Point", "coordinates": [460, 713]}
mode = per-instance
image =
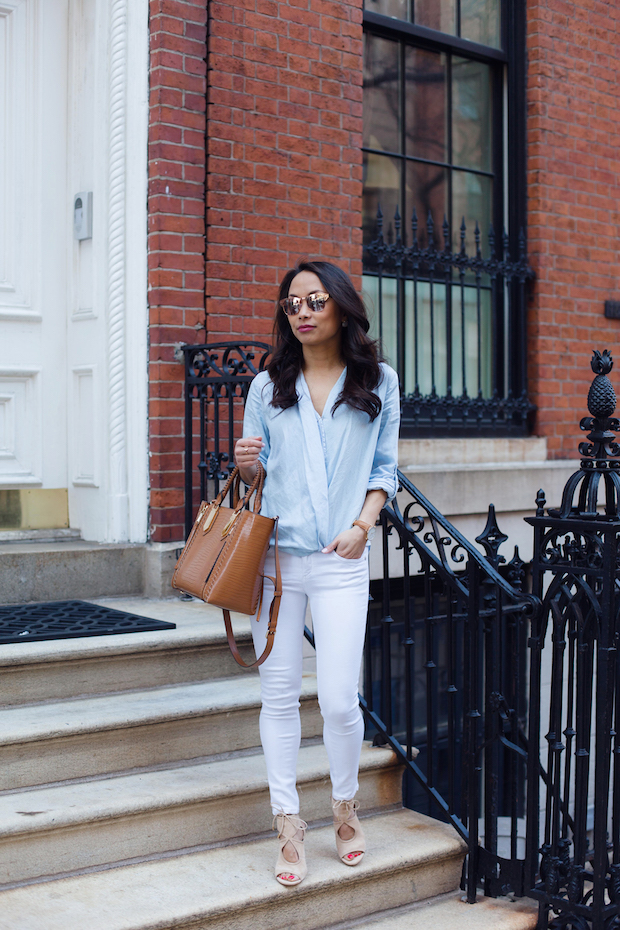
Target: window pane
{"type": "Point", "coordinates": [382, 314]}
{"type": "Point", "coordinates": [381, 189]}
{"type": "Point", "coordinates": [399, 9]}
{"type": "Point", "coordinates": [425, 189]}
{"type": "Point", "coordinates": [425, 338]}
{"type": "Point", "coordinates": [425, 104]}
{"type": "Point", "coordinates": [480, 20]}
{"type": "Point", "coordinates": [436, 14]}
{"type": "Point", "coordinates": [471, 114]}
{"type": "Point", "coordinates": [381, 109]}
{"type": "Point", "coordinates": [471, 342]}
{"type": "Point", "coordinates": [472, 200]}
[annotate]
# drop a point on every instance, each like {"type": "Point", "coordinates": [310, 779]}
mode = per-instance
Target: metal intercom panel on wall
{"type": "Point", "coordinates": [83, 215]}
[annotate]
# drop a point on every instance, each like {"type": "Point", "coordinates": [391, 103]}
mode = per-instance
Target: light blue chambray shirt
{"type": "Point", "coordinates": [319, 469]}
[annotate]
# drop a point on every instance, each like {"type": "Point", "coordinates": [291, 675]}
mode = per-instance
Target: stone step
{"type": "Point", "coordinates": [65, 668]}
{"type": "Point", "coordinates": [112, 733]}
{"type": "Point", "coordinates": [73, 568]}
{"type": "Point", "coordinates": [73, 826]}
{"type": "Point", "coordinates": [451, 912]}
{"type": "Point", "coordinates": [410, 858]}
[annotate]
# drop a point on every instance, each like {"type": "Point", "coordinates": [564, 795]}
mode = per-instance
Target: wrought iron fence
{"type": "Point", "coordinates": [217, 379]}
{"type": "Point", "coordinates": [465, 665]}
{"type": "Point", "coordinates": [453, 326]}
{"type": "Point", "coordinates": [575, 808]}
{"type": "Point", "coordinates": [443, 673]}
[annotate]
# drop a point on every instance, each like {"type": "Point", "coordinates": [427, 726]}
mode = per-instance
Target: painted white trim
{"type": "Point", "coordinates": [30, 377]}
{"type": "Point", "coordinates": [20, 316]}
{"type": "Point", "coordinates": [9, 371]}
{"type": "Point", "coordinates": [136, 320]}
{"type": "Point", "coordinates": [83, 315]}
{"type": "Point", "coordinates": [78, 426]}
{"type": "Point", "coordinates": [118, 497]}
{"type": "Point", "coordinates": [111, 330]}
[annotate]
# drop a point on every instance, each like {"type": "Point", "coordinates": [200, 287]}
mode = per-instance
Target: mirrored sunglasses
{"type": "Point", "coordinates": [315, 302]}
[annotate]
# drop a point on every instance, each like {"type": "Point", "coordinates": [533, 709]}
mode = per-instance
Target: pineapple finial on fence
{"type": "Point", "coordinates": [600, 468]}
{"type": "Point", "coordinates": [601, 404]}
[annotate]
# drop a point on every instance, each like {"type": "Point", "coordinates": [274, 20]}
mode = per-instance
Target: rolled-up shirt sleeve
{"type": "Point", "coordinates": [385, 463]}
{"type": "Point", "coordinates": [253, 420]}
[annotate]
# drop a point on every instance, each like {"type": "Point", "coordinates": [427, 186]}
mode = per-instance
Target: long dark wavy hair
{"type": "Point", "coordinates": [359, 352]}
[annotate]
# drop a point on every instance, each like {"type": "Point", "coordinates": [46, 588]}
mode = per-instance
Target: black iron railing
{"type": "Point", "coordinates": [442, 675]}
{"type": "Point", "coordinates": [453, 325]}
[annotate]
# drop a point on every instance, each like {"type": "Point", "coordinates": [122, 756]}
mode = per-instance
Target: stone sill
{"type": "Point", "coordinates": [460, 452]}
{"type": "Point", "coordinates": [511, 486]}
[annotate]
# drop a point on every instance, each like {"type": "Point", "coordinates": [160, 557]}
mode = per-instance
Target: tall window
{"type": "Point", "coordinates": [476, 20]}
{"type": "Point", "coordinates": [428, 135]}
{"type": "Point", "coordinates": [442, 93]}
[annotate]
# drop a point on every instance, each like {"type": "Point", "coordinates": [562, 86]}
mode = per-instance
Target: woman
{"type": "Point", "coordinates": [323, 420]}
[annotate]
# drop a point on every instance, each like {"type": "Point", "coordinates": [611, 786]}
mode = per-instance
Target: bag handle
{"type": "Point", "coordinates": [257, 485]}
{"type": "Point", "coordinates": [274, 610]}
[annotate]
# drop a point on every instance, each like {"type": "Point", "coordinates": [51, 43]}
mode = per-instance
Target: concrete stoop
{"type": "Point", "coordinates": [233, 888]}
{"type": "Point", "coordinates": [133, 796]}
{"type": "Point", "coordinates": [72, 569]}
{"type": "Point", "coordinates": [451, 912]}
{"type": "Point", "coordinates": [196, 651]}
{"type": "Point", "coordinates": [97, 821]}
{"type": "Point", "coordinates": [39, 569]}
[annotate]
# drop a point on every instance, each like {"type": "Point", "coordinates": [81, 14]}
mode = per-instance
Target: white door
{"type": "Point", "coordinates": [73, 352]}
{"type": "Point", "coordinates": [33, 243]}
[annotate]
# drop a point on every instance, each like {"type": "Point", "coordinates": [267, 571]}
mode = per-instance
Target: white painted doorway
{"type": "Point", "coordinates": [73, 314]}
{"type": "Point", "coordinates": [33, 243]}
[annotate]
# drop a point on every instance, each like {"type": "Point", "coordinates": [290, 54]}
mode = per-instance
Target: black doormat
{"type": "Point", "coordinates": [25, 623]}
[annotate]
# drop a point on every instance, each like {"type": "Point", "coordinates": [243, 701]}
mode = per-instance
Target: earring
{"type": "Point", "coordinates": [345, 323]}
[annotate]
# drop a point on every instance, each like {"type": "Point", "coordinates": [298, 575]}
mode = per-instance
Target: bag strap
{"type": "Point", "coordinates": [274, 610]}
{"type": "Point", "coordinates": [235, 480]}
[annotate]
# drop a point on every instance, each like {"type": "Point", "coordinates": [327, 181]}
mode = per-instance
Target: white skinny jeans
{"type": "Point", "coordinates": [337, 590]}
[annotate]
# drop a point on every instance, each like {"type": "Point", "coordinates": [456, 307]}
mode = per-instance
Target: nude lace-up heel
{"type": "Point", "coordinates": [346, 812]}
{"type": "Point", "coordinates": [289, 826]}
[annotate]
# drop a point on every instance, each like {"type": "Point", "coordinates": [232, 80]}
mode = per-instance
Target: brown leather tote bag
{"type": "Point", "coordinates": [223, 559]}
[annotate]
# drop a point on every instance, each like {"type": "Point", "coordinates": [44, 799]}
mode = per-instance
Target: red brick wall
{"type": "Point", "coordinates": [573, 208]}
{"type": "Point", "coordinates": [284, 150]}
{"type": "Point", "coordinates": [175, 238]}
{"type": "Point", "coordinates": [283, 178]}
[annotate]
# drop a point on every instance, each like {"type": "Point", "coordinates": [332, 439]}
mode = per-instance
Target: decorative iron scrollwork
{"type": "Point", "coordinates": [576, 572]}
{"type": "Point", "coordinates": [574, 548]}
{"type": "Point", "coordinates": [217, 378]}
{"type": "Point", "coordinates": [597, 468]}
{"type": "Point", "coordinates": [550, 869]}
{"type": "Point", "coordinates": [390, 255]}
{"type": "Point", "coordinates": [226, 360]}
{"type": "Point", "coordinates": [492, 538]}
{"type": "Point", "coordinates": [516, 571]}
{"type": "Point", "coordinates": [574, 884]}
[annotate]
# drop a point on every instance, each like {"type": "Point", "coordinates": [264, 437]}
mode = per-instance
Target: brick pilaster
{"type": "Point", "coordinates": [176, 240]}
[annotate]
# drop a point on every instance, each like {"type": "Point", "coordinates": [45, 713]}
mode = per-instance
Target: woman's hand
{"type": "Point", "coordinates": [350, 544]}
{"type": "Point", "coordinates": [246, 456]}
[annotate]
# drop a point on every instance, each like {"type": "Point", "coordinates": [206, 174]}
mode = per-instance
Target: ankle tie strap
{"type": "Point", "coordinates": [344, 810]}
{"type": "Point", "coordinates": [287, 825]}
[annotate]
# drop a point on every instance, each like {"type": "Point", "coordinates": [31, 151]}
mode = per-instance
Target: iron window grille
{"type": "Point", "coordinates": [445, 269]}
